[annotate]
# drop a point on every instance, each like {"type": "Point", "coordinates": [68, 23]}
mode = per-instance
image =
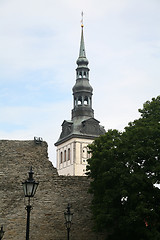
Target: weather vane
{"type": "Point", "coordinates": [82, 19]}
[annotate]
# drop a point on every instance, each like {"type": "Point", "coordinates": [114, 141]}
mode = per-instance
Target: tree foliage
{"type": "Point", "coordinates": [125, 168]}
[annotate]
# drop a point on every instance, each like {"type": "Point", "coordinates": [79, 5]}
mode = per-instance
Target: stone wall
{"type": "Point", "coordinates": [53, 194]}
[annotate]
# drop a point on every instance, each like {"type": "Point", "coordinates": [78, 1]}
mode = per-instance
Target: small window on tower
{"type": "Point", "coordinates": [80, 75]}
{"type": "Point", "coordinates": [86, 101]}
{"type": "Point", "coordinates": [61, 157]}
{"type": "Point", "coordinates": [79, 101]}
{"type": "Point", "coordinates": [69, 154]}
{"type": "Point", "coordinates": [65, 156]}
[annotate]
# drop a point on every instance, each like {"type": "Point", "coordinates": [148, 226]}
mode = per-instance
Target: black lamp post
{"type": "Point", "coordinates": [1, 232]}
{"type": "Point", "coordinates": [29, 187]}
{"type": "Point", "coordinates": [68, 217]}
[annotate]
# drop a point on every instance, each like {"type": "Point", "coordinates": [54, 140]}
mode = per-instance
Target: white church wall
{"type": "Point", "coordinates": [76, 164]}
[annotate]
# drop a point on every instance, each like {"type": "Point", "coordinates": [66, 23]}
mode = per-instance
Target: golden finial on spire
{"type": "Point", "coordinates": [82, 19]}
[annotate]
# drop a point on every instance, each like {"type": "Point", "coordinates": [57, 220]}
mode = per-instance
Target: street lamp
{"type": "Point", "coordinates": [1, 232]}
{"type": "Point", "coordinates": [29, 187]}
{"type": "Point", "coordinates": [68, 217]}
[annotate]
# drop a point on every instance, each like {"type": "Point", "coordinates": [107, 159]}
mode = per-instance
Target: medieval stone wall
{"type": "Point", "coordinates": [53, 194]}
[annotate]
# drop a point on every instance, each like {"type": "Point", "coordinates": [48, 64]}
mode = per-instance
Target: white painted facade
{"type": "Point", "coordinates": [72, 157]}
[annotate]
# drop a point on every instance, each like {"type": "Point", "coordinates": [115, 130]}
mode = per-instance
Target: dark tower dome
{"type": "Point", "coordinates": [82, 61]}
{"type": "Point", "coordinates": [82, 85]}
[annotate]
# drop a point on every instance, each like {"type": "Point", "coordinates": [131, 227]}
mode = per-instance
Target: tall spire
{"type": "Point", "coordinates": [82, 54]}
{"type": "Point", "coordinates": [82, 90]}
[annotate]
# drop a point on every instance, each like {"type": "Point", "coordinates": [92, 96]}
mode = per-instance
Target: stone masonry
{"type": "Point", "coordinates": [53, 194]}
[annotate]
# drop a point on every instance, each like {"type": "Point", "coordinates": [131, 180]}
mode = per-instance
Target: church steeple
{"type": "Point", "coordinates": [83, 128]}
{"type": "Point", "coordinates": [82, 53]}
{"type": "Point", "coordinates": [82, 90]}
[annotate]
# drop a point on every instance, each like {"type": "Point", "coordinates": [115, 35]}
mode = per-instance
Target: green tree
{"type": "Point", "coordinates": [125, 168]}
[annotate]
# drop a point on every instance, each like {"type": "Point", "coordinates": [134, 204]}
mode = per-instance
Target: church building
{"type": "Point", "coordinates": [83, 128]}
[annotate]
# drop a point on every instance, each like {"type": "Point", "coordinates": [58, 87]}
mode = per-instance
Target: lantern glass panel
{"type": "Point", "coordinates": [24, 188]}
{"type": "Point", "coordinates": [68, 216]}
{"type": "Point", "coordinates": [30, 187]}
{"type": "Point", "coordinates": [34, 188]}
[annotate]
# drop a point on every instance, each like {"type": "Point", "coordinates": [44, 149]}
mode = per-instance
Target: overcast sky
{"type": "Point", "coordinates": [39, 46]}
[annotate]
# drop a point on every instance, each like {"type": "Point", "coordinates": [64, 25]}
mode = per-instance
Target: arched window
{"type": "Point", "coordinates": [80, 75]}
{"type": "Point", "coordinates": [61, 157]}
{"type": "Point", "coordinates": [79, 101]}
{"type": "Point", "coordinates": [65, 156]}
{"type": "Point", "coordinates": [86, 101]}
{"type": "Point", "coordinates": [69, 154]}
